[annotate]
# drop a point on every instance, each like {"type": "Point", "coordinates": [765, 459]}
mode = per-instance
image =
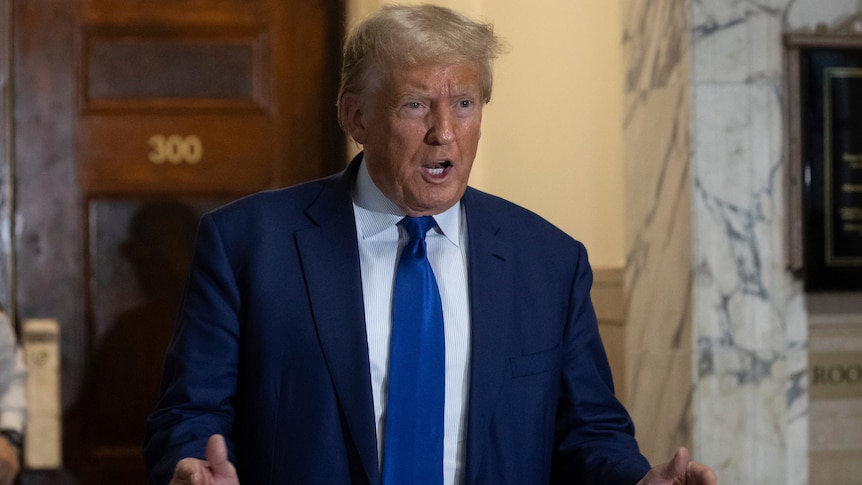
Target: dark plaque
{"type": "Point", "coordinates": [831, 147]}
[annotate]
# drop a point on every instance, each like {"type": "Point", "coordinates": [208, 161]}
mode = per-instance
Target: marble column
{"type": "Point", "coordinates": [716, 327]}
{"type": "Point", "coordinates": [749, 319]}
{"type": "Point", "coordinates": [657, 382]}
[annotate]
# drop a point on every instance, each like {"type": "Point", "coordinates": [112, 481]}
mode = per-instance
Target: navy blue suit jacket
{"type": "Point", "coordinates": [270, 350]}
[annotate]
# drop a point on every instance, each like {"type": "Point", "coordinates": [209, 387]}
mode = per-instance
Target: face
{"type": "Point", "coordinates": [420, 130]}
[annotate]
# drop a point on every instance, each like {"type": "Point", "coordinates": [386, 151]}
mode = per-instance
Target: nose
{"type": "Point", "coordinates": [440, 131]}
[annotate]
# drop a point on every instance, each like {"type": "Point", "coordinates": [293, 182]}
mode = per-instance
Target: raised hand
{"type": "Point", "coordinates": [215, 470]}
{"type": "Point", "coordinates": [680, 470]}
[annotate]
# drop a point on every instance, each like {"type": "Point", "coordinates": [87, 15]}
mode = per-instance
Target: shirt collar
{"type": "Point", "coordinates": [378, 213]}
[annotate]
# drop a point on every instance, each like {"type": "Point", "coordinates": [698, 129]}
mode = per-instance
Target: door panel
{"type": "Point", "coordinates": [133, 117]}
{"type": "Point", "coordinates": [145, 153]}
{"type": "Point", "coordinates": [139, 251]}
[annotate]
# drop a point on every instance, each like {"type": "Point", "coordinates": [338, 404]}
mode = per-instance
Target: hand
{"type": "Point", "coordinates": [680, 471]}
{"type": "Point", "coordinates": [10, 462]}
{"type": "Point", "coordinates": [215, 470]}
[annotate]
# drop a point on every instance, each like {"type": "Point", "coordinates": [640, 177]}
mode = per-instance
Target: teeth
{"type": "Point", "coordinates": [438, 168]}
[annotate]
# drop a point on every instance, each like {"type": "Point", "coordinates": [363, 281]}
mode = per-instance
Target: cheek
{"type": "Point", "coordinates": [470, 138]}
{"type": "Point", "coordinates": [410, 134]}
{"type": "Point", "coordinates": [472, 128]}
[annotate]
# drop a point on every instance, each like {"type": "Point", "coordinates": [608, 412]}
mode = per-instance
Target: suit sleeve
{"type": "Point", "coordinates": [199, 382]}
{"type": "Point", "coordinates": [594, 440]}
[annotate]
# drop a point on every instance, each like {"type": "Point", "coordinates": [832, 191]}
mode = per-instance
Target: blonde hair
{"type": "Point", "coordinates": [410, 35]}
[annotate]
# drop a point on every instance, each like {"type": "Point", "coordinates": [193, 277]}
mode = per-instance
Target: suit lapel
{"type": "Point", "coordinates": [330, 262]}
{"type": "Point", "coordinates": [494, 336]}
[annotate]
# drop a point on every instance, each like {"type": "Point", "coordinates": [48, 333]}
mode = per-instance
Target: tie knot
{"type": "Point", "coordinates": [416, 227]}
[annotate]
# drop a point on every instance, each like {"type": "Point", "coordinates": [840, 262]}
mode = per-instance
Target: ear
{"type": "Point", "coordinates": [352, 117]}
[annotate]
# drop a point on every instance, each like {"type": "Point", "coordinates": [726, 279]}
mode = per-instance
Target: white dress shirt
{"type": "Point", "coordinates": [380, 243]}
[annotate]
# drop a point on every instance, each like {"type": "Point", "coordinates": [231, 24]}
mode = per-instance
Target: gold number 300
{"type": "Point", "coordinates": [176, 149]}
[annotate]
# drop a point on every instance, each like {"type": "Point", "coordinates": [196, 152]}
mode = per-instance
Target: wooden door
{"type": "Point", "coordinates": [131, 118]}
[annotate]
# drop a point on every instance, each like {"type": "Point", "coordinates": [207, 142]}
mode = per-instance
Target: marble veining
{"type": "Point", "coordinates": [658, 225]}
{"type": "Point", "coordinates": [751, 399]}
{"type": "Point", "coordinates": [704, 165]}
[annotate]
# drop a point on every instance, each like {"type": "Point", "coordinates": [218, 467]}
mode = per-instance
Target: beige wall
{"type": "Point", "coordinates": [551, 136]}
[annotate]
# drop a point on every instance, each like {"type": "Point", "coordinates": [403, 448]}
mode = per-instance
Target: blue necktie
{"type": "Point", "coordinates": [413, 446]}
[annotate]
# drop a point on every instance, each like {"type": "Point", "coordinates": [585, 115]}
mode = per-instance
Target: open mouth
{"type": "Point", "coordinates": [438, 168]}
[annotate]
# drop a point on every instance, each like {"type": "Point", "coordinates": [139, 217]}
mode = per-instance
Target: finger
{"type": "Point", "coordinates": [676, 467]}
{"type": "Point", "coordinates": [217, 456]}
{"type": "Point", "coordinates": [700, 474]}
{"type": "Point", "coordinates": [185, 470]}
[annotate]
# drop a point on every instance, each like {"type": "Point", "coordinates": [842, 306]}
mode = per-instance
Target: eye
{"type": "Point", "coordinates": [414, 105]}
{"type": "Point", "coordinates": [465, 103]}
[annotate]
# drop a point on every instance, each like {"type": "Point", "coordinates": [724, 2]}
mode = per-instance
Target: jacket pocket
{"type": "Point", "coordinates": [536, 363]}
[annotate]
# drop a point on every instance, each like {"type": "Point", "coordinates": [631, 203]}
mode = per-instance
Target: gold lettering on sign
{"type": "Point", "coordinates": [851, 217]}
{"type": "Point", "coordinates": [852, 159]}
{"type": "Point", "coordinates": [835, 375]}
{"type": "Point", "coordinates": [175, 149]}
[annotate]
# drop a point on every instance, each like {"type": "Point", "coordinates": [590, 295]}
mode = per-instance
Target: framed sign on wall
{"type": "Point", "coordinates": [824, 107]}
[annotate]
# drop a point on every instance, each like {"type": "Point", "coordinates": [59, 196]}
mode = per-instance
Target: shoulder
{"type": "Point", "coordinates": [513, 222]}
{"type": "Point", "coordinates": [283, 200]}
{"type": "Point", "coordinates": [288, 207]}
{"type": "Point", "coordinates": [273, 216]}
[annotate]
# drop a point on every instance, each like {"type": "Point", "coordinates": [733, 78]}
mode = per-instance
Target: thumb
{"type": "Point", "coordinates": [676, 467]}
{"type": "Point", "coordinates": [217, 456]}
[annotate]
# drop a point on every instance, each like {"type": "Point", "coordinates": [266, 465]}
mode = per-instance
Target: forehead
{"type": "Point", "coordinates": [458, 78]}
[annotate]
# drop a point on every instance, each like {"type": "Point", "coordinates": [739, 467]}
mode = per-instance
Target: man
{"type": "Point", "coordinates": [13, 402]}
{"type": "Point", "coordinates": [283, 343]}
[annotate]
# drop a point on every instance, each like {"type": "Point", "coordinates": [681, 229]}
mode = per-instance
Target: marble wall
{"type": "Point", "coordinates": [657, 380]}
{"type": "Point", "coordinates": [835, 405]}
{"type": "Point", "coordinates": [717, 327]}
{"type": "Point", "coordinates": [749, 319]}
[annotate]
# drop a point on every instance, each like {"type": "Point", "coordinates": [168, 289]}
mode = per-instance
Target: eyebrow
{"type": "Point", "coordinates": [422, 94]}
